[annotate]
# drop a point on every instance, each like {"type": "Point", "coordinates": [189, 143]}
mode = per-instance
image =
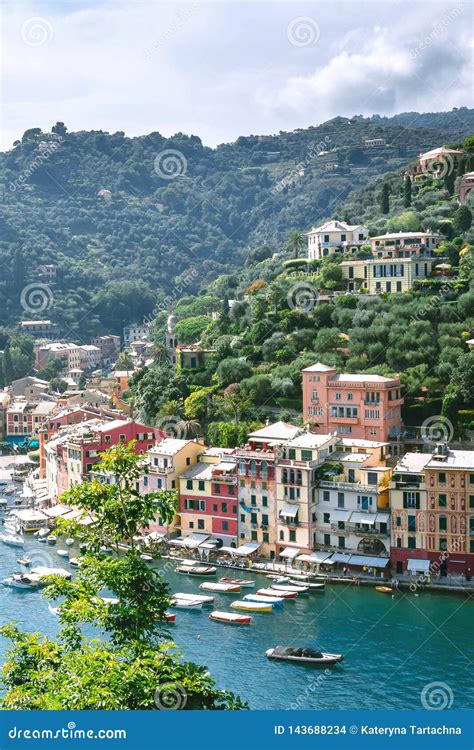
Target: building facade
{"type": "Point", "coordinates": [335, 237]}
{"type": "Point", "coordinates": [353, 405]}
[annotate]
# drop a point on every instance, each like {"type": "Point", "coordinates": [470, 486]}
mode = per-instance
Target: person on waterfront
{"type": "Point", "coordinates": [344, 570]}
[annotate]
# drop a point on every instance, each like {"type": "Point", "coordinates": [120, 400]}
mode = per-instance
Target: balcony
{"type": "Point", "coordinates": [351, 528]}
{"type": "Point", "coordinates": [354, 486]}
{"type": "Point", "coordinates": [161, 469]}
{"type": "Point", "coordinates": [343, 420]}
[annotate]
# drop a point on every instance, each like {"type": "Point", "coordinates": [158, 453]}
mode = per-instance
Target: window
{"type": "Point", "coordinates": [282, 536]}
{"type": "Point", "coordinates": [340, 499]}
{"type": "Point", "coordinates": [326, 495]}
{"type": "Point", "coordinates": [411, 523]}
{"type": "Point", "coordinates": [399, 521]}
{"type": "Point", "coordinates": [253, 536]}
{"type": "Point", "coordinates": [242, 483]}
{"type": "Point", "coordinates": [371, 477]}
{"type": "Point", "coordinates": [411, 500]}
{"type": "Point", "coordinates": [327, 540]}
{"type": "Point", "coordinates": [338, 396]}
{"type": "Point", "coordinates": [264, 519]}
{"type": "Point", "coordinates": [242, 518]}
{"type": "Point", "coordinates": [225, 525]}
{"type": "Point", "coordinates": [253, 518]}
{"type": "Point", "coordinates": [122, 438]}
{"type": "Point", "coordinates": [443, 523]}
{"type": "Point", "coordinates": [442, 500]}
{"type": "Point", "coordinates": [231, 489]}
{"type": "Point", "coordinates": [264, 485]}
{"type": "Point", "coordinates": [292, 537]}
{"type": "Point", "coordinates": [200, 523]}
{"type": "Point", "coordinates": [471, 501]}
{"type": "Point", "coordinates": [191, 524]}
{"type": "Point", "coordinates": [201, 484]}
{"type": "Point", "coordinates": [189, 484]}
{"type": "Point", "coordinates": [264, 469]}
{"type": "Point", "coordinates": [214, 508]}
{"type": "Point", "coordinates": [443, 545]}
{"type": "Point", "coordinates": [471, 478]}
{"type": "Point", "coordinates": [350, 396]}
{"type": "Point", "coordinates": [107, 438]}
{"type": "Point", "coordinates": [442, 477]}
{"type": "Point", "coordinates": [411, 542]}
{"type": "Point", "coordinates": [265, 538]}
{"type": "Point", "coordinates": [253, 499]}
{"type": "Point", "coordinates": [326, 517]}
{"type": "Point", "coordinates": [217, 489]}
{"type": "Point", "coordinates": [188, 461]}
{"type": "Point", "coordinates": [306, 455]}
{"type": "Point", "coordinates": [291, 454]}
{"type": "Point", "coordinates": [265, 501]}
{"type": "Point", "coordinates": [145, 481]}
{"type": "Point", "coordinates": [341, 542]}
{"type": "Point", "coordinates": [224, 507]}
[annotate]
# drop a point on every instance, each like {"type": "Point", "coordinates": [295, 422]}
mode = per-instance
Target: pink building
{"type": "Point", "coordinates": [359, 406]}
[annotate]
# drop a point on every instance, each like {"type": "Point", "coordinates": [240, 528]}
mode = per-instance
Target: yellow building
{"type": "Point", "coordinates": [377, 275]}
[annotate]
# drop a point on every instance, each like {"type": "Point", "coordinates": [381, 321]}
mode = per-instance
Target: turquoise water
{"type": "Point", "coordinates": [392, 647]}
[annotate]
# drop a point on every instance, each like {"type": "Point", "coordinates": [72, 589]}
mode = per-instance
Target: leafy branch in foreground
{"type": "Point", "coordinates": [131, 664]}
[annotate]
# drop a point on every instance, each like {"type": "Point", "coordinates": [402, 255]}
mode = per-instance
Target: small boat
{"type": "Point", "coordinates": [222, 588]}
{"type": "Point", "coordinates": [273, 600]}
{"type": "Point", "coordinates": [24, 561]}
{"type": "Point", "coordinates": [303, 655]}
{"type": "Point", "coordinates": [238, 582]}
{"type": "Point", "coordinates": [166, 617]}
{"type": "Point", "coordinates": [279, 594]}
{"type": "Point", "coordinates": [9, 490]}
{"type": "Point", "coordinates": [146, 558]}
{"type": "Point", "coordinates": [42, 534]}
{"type": "Point", "coordinates": [62, 553]}
{"type": "Point", "coordinates": [247, 606]}
{"type": "Point", "coordinates": [307, 585]}
{"type": "Point", "coordinates": [197, 570]}
{"type": "Point", "coordinates": [229, 618]}
{"type": "Point", "coordinates": [69, 541]}
{"type": "Point", "coordinates": [194, 598]}
{"type": "Point", "coordinates": [3, 503]}
{"type": "Point", "coordinates": [51, 540]}
{"type": "Point", "coordinates": [74, 562]}
{"type": "Point", "coordinates": [53, 610]}
{"type": "Point", "coordinates": [13, 540]}
{"type": "Point", "coordinates": [384, 589]}
{"type": "Point", "coordinates": [278, 579]}
{"type": "Point", "coordinates": [22, 581]}
{"type": "Point", "coordinates": [185, 604]}
{"type": "Point", "coordinates": [288, 587]}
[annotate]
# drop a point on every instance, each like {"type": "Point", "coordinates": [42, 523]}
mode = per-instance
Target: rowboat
{"type": "Point", "coordinates": [197, 570]}
{"type": "Point", "coordinates": [275, 593]}
{"type": "Point", "coordinates": [303, 655]}
{"type": "Point", "coordinates": [146, 558]}
{"type": "Point", "coordinates": [384, 589]}
{"type": "Point", "coordinates": [62, 553]}
{"type": "Point", "coordinates": [222, 588]}
{"type": "Point", "coordinates": [247, 606]}
{"type": "Point", "coordinates": [166, 617]}
{"type": "Point", "coordinates": [194, 598]}
{"type": "Point", "coordinates": [13, 540]}
{"type": "Point", "coordinates": [273, 600]}
{"type": "Point", "coordinates": [185, 604]}
{"type": "Point", "coordinates": [69, 541]}
{"type": "Point", "coordinates": [238, 582]}
{"type": "Point", "coordinates": [230, 619]}
{"type": "Point", "coordinates": [288, 587]}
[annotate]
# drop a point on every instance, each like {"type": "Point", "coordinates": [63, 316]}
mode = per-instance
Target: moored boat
{"type": "Point", "coordinates": [229, 618]}
{"type": "Point", "coordinates": [303, 655]}
{"type": "Point", "coordinates": [185, 604]}
{"type": "Point", "coordinates": [384, 589]}
{"type": "Point", "coordinates": [74, 562]}
{"type": "Point", "coordinates": [279, 594]}
{"type": "Point", "coordinates": [247, 606]}
{"type": "Point", "coordinates": [289, 587]}
{"type": "Point", "coordinates": [222, 588]}
{"type": "Point", "coordinates": [166, 617]}
{"type": "Point", "coordinates": [194, 598]}
{"type": "Point", "coordinates": [238, 582]}
{"type": "Point", "coordinates": [276, 601]}
{"type": "Point", "coordinates": [197, 570]}
{"type": "Point", "coordinates": [24, 561]}
{"type": "Point", "coordinates": [69, 541]}
{"type": "Point", "coordinates": [308, 585]}
{"type": "Point", "coordinates": [22, 581]}
{"type": "Point", "coordinates": [12, 540]}
{"type": "Point", "coordinates": [62, 553]}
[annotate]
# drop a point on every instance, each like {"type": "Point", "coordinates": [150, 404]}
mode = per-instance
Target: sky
{"type": "Point", "coordinates": [223, 69]}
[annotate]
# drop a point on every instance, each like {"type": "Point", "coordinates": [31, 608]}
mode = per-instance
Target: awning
{"type": "Point", "coordinates": [30, 515]}
{"type": "Point", "coordinates": [18, 440]}
{"type": "Point", "coordinates": [340, 557]}
{"type": "Point", "coordinates": [316, 558]}
{"type": "Point", "coordinates": [247, 549]}
{"type": "Point", "coordinates": [383, 517]}
{"type": "Point", "coordinates": [367, 518]}
{"type": "Point", "coordinates": [290, 552]}
{"type": "Point", "coordinates": [227, 550]}
{"type": "Point", "coordinates": [340, 515]}
{"type": "Point", "coordinates": [418, 566]}
{"type": "Point", "coordinates": [72, 514]}
{"type": "Point", "coordinates": [370, 562]}
{"type": "Point", "coordinates": [56, 510]}
{"type": "Point", "coordinates": [194, 540]}
{"type": "Point", "coordinates": [289, 511]}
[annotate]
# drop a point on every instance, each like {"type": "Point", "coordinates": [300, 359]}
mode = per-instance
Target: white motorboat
{"type": "Point", "coordinates": [13, 540]}
{"type": "Point", "coordinates": [22, 581]}
{"type": "Point", "coordinates": [42, 533]}
{"type": "Point", "coordinates": [303, 656]}
{"type": "Point", "coordinates": [194, 598]}
{"type": "Point", "coordinates": [222, 588]}
{"type": "Point", "coordinates": [287, 587]}
{"type": "Point", "coordinates": [69, 541]}
{"type": "Point", "coordinates": [242, 582]}
{"type": "Point", "coordinates": [146, 558]}
{"type": "Point", "coordinates": [185, 604]}
{"type": "Point", "coordinates": [308, 585]}
{"type": "Point", "coordinates": [197, 570]}
{"type": "Point", "coordinates": [53, 610]}
{"type": "Point", "coordinates": [9, 490]}
{"type": "Point", "coordinates": [273, 600]}
{"type": "Point", "coordinates": [24, 561]}
{"type": "Point", "coordinates": [275, 593]}
{"type": "Point", "coordinates": [62, 553]}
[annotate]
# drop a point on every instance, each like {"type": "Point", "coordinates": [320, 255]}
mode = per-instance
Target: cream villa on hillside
{"type": "Point", "coordinates": [335, 236]}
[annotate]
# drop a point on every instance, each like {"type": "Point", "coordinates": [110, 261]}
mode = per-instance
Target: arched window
{"type": "Point", "coordinates": [252, 468]}
{"type": "Point", "coordinates": [443, 523]}
{"type": "Point", "coordinates": [264, 470]}
{"type": "Point", "coordinates": [242, 466]}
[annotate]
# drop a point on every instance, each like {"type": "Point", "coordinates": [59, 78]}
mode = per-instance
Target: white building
{"type": "Point", "coordinates": [335, 236]}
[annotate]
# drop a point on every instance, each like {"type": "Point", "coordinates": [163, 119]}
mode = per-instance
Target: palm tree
{"type": "Point", "coordinates": [188, 428]}
{"type": "Point", "coordinates": [295, 242]}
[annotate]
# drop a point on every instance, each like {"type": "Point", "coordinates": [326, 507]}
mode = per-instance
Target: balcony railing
{"type": "Point", "coordinates": [351, 528]}
{"type": "Point", "coordinates": [356, 486]}
{"type": "Point", "coordinates": [161, 469]}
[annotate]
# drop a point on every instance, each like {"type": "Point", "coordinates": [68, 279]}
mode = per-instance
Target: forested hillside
{"type": "Point", "coordinates": [126, 223]}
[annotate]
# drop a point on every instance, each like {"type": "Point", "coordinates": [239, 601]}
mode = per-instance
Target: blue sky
{"type": "Point", "coordinates": [224, 69]}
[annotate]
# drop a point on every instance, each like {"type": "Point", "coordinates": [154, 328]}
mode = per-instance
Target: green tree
{"type": "Point", "coordinates": [128, 666]}
{"type": "Point", "coordinates": [59, 128]}
{"type": "Point", "coordinates": [407, 192]}
{"type": "Point", "coordinates": [7, 365]}
{"type": "Point", "coordinates": [295, 242]}
{"type": "Point", "coordinates": [385, 198]}
{"type": "Point", "coordinates": [462, 219]}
